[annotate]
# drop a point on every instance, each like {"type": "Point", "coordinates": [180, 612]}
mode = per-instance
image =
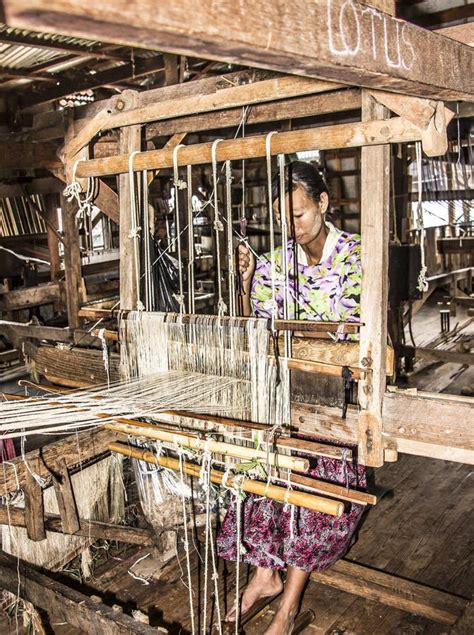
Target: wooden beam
{"type": "Point", "coordinates": [90, 528]}
{"type": "Point", "coordinates": [354, 135]}
{"type": "Point", "coordinates": [453, 14]}
{"type": "Point", "coordinates": [29, 296]}
{"type": "Point", "coordinates": [86, 134]}
{"type": "Point", "coordinates": [294, 108]}
{"type": "Point", "coordinates": [34, 507]}
{"type": "Point", "coordinates": [233, 97]}
{"type": "Point", "coordinates": [348, 42]}
{"type": "Point", "coordinates": [46, 185]}
{"type": "Point", "coordinates": [130, 141]}
{"type": "Point", "coordinates": [51, 203]}
{"type": "Point", "coordinates": [387, 6]}
{"type": "Point", "coordinates": [391, 590]}
{"type": "Point", "coordinates": [22, 156]}
{"type": "Point", "coordinates": [440, 355]}
{"type": "Point", "coordinates": [26, 331]}
{"type": "Point", "coordinates": [65, 604]}
{"type": "Point", "coordinates": [429, 418]}
{"type": "Point", "coordinates": [72, 263]}
{"type": "Point", "coordinates": [9, 73]}
{"type": "Point", "coordinates": [461, 33]}
{"type": "Point", "coordinates": [375, 205]}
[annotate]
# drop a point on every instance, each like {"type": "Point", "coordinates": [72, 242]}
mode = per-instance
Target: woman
{"type": "Point", "coordinates": [324, 284]}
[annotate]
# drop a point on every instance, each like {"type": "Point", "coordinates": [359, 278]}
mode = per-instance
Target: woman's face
{"type": "Point", "coordinates": [308, 216]}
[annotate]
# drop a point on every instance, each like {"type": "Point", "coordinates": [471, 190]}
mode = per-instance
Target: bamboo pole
{"type": "Point", "coordinates": [351, 135]}
{"type": "Point", "coordinates": [282, 461]}
{"type": "Point", "coordinates": [280, 494]}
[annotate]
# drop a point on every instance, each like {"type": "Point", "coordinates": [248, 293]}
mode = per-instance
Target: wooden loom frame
{"type": "Point", "coordinates": [378, 431]}
{"type": "Point", "coordinates": [419, 118]}
{"type": "Point", "coordinates": [374, 129]}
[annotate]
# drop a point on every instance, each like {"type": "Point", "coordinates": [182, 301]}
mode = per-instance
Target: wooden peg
{"type": "Point", "coordinates": [66, 501]}
{"type": "Point", "coordinates": [34, 507]}
{"type": "Point", "coordinates": [434, 139]}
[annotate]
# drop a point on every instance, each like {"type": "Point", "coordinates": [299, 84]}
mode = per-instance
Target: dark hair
{"type": "Point", "coordinates": [303, 174]}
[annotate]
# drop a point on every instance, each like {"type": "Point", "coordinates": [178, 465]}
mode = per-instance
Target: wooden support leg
{"type": "Point", "coordinates": [66, 501]}
{"type": "Point", "coordinates": [129, 142]}
{"type": "Point", "coordinates": [34, 508]}
{"type": "Point", "coordinates": [375, 201]}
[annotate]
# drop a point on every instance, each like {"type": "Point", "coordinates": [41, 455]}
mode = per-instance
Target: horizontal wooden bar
{"type": "Point", "coordinates": [335, 101]}
{"type": "Point", "coordinates": [338, 491]}
{"type": "Point", "coordinates": [330, 39]}
{"type": "Point", "coordinates": [353, 135]}
{"type": "Point", "coordinates": [280, 325]}
{"type": "Point", "coordinates": [391, 590]}
{"type": "Point", "coordinates": [15, 517]}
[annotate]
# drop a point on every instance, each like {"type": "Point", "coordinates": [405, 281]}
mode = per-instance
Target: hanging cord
{"type": "Point", "coordinates": [238, 493]}
{"type": "Point", "coordinates": [186, 539]}
{"type": "Point", "coordinates": [149, 290]}
{"type": "Point", "coordinates": [218, 227]}
{"type": "Point", "coordinates": [178, 185]}
{"type": "Point", "coordinates": [191, 301]}
{"type": "Point", "coordinates": [135, 228]}
{"type": "Point", "coordinates": [230, 250]}
{"type": "Point", "coordinates": [422, 281]}
{"type": "Point", "coordinates": [284, 249]}
{"type": "Point", "coordinates": [274, 307]}
{"type": "Point", "coordinates": [205, 482]}
{"type": "Point", "coordinates": [74, 192]}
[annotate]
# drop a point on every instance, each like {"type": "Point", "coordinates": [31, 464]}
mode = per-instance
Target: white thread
{"type": "Point", "coordinates": [177, 187]}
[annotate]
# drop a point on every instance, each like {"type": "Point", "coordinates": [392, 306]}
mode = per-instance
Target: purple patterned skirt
{"type": "Point", "coordinates": [273, 536]}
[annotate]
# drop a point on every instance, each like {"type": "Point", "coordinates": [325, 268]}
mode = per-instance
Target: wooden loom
{"type": "Point", "coordinates": [373, 435]}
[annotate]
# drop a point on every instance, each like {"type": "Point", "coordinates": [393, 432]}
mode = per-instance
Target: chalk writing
{"type": "Point", "coordinates": [354, 28]}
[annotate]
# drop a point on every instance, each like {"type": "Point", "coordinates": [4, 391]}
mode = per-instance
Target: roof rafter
{"type": "Point", "coordinates": [109, 77]}
{"type": "Point", "coordinates": [32, 40]}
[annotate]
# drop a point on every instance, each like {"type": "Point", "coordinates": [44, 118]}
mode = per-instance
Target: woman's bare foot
{"type": "Point", "coordinates": [283, 621]}
{"type": "Point", "coordinates": [265, 583]}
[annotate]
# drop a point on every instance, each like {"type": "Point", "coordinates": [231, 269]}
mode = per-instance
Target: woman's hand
{"type": "Point", "coordinates": [246, 265]}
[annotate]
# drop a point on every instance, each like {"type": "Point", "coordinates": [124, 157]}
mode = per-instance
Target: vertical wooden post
{"type": "Point", "coordinates": [375, 201]}
{"type": "Point", "coordinates": [72, 263]}
{"type": "Point", "coordinates": [171, 69]}
{"type": "Point", "coordinates": [75, 290]}
{"type": "Point", "coordinates": [51, 204]}
{"type": "Point", "coordinates": [34, 508]}
{"type": "Point", "coordinates": [129, 141]}
{"type": "Point", "coordinates": [66, 500]}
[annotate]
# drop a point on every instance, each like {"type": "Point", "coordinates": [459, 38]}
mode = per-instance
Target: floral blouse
{"type": "Point", "coordinates": [329, 290]}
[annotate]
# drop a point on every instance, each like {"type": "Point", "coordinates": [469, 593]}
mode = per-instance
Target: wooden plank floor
{"type": "Point", "coordinates": [422, 530]}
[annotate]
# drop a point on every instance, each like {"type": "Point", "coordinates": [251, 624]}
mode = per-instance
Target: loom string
{"type": "Point", "coordinates": [186, 539]}
{"type": "Point", "coordinates": [190, 227]}
{"type": "Point", "coordinates": [284, 249]}
{"type": "Point", "coordinates": [218, 227]}
{"type": "Point", "coordinates": [230, 250]}
{"type": "Point", "coordinates": [177, 186]}
{"type": "Point", "coordinates": [423, 284]}
{"type": "Point", "coordinates": [134, 234]}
